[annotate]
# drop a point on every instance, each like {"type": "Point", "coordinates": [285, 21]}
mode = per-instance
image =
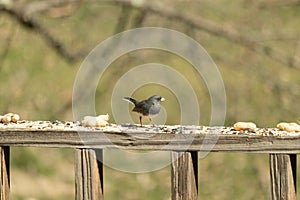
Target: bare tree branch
{"type": "Point", "coordinates": [191, 22]}
{"type": "Point", "coordinates": [278, 3]}
{"type": "Point", "coordinates": [215, 29]}
{"type": "Point", "coordinates": [139, 18]}
{"type": "Point", "coordinates": [123, 18]}
{"type": "Point", "coordinates": [34, 25]}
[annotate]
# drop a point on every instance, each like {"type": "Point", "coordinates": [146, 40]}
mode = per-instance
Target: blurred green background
{"type": "Point", "coordinates": [255, 45]}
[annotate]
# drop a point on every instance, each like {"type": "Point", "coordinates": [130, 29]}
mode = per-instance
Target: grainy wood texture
{"type": "Point", "coordinates": [185, 140]}
{"type": "Point", "coordinates": [151, 141]}
{"type": "Point", "coordinates": [88, 175]}
{"type": "Point", "coordinates": [184, 175]}
{"type": "Point", "coordinates": [283, 176]}
{"type": "Point", "coordinates": [4, 173]}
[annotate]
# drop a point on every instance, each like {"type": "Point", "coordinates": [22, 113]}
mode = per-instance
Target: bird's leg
{"type": "Point", "coordinates": [151, 121]}
{"type": "Point", "coordinates": [141, 121]}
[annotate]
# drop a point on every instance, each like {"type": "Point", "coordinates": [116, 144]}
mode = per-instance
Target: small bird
{"type": "Point", "coordinates": [148, 107]}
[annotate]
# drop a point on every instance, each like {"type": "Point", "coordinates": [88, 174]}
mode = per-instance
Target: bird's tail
{"type": "Point", "coordinates": [131, 100]}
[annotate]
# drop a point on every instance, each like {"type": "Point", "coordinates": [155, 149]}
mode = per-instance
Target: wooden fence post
{"type": "Point", "coordinates": [283, 176]}
{"type": "Point", "coordinates": [184, 169]}
{"type": "Point", "coordinates": [88, 174]}
{"type": "Point", "coordinates": [5, 173]}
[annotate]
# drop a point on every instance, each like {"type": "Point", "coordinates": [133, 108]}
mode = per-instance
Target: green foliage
{"type": "Point", "coordinates": [29, 160]}
{"type": "Point", "coordinates": [154, 185]}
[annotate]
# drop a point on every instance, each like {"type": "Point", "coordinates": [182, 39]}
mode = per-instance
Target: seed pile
{"type": "Point", "coordinates": [55, 126]}
{"type": "Point", "coordinates": [100, 123]}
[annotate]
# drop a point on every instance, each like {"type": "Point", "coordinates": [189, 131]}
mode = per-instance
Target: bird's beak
{"type": "Point", "coordinates": [162, 99]}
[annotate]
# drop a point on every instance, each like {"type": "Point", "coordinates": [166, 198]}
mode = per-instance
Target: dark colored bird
{"type": "Point", "coordinates": [148, 107]}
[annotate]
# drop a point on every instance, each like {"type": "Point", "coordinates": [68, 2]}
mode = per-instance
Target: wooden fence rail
{"type": "Point", "coordinates": [184, 141]}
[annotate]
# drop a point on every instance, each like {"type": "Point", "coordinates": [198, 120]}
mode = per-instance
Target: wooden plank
{"type": "Point", "coordinates": [88, 175]}
{"type": "Point", "coordinates": [4, 173]}
{"type": "Point", "coordinates": [184, 178]}
{"type": "Point", "coordinates": [151, 141]}
{"type": "Point", "coordinates": [283, 176]}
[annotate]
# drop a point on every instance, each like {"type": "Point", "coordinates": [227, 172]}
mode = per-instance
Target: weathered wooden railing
{"type": "Point", "coordinates": [90, 142]}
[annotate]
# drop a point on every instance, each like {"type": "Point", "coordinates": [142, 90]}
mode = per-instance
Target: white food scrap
{"type": "Point", "coordinates": [98, 121]}
{"type": "Point", "coordinates": [240, 126]}
{"type": "Point", "coordinates": [289, 127]}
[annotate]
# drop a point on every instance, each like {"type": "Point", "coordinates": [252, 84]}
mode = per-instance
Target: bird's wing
{"type": "Point", "coordinates": [142, 107]}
